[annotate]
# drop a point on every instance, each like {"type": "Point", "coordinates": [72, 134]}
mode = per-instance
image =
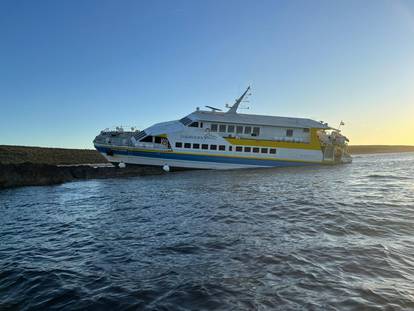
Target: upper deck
{"type": "Point", "coordinates": [253, 119]}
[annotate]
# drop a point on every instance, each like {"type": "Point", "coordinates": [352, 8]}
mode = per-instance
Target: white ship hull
{"type": "Point", "coordinates": [223, 161]}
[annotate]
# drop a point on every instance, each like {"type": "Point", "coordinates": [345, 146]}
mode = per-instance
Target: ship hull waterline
{"type": "Point", "coordinates": [192, 161]}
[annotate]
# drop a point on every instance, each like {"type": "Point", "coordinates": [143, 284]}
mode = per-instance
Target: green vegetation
{"type": "Point", "coordinates": [52, 156]}
{"type": "Point", "coordinates": [366, 149]}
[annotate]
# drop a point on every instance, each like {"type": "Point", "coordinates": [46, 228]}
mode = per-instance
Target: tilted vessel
{"type": "Point", "coordinates": [226, 140]}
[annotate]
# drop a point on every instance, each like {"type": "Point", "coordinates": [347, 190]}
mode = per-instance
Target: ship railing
{"type": "Point", "coordinates": [151, 146]}
{"type": "Point", "coordinates": [292, 139]}
{"type": "Point", "coordinates": [120, 129]}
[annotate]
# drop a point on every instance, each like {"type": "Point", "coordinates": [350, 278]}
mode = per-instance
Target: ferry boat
{"type": "Point", "coordinates": [213, 139]}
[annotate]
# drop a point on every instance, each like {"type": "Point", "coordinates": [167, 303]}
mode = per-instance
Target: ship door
{"type": "Point", "coordinates": [328, 154]}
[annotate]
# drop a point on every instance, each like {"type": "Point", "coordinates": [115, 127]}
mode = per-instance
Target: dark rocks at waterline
{"type": "Point", "coordinates": [30, 174]}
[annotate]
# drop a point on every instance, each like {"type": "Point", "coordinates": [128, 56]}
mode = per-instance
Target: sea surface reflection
{"type": "Point", "coordinates": [315, 238]}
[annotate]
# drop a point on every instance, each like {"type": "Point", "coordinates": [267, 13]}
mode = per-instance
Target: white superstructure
{"type": "Point", "coordinates": [226, 140]}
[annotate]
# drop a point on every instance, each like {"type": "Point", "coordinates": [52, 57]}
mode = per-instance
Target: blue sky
{"type": "Point", "coordinates": [71, 68]}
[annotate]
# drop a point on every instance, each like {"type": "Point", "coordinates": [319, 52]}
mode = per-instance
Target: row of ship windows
{"type": "Point", "coordinates": [239, 129]}
{"type": "Point", "coordinates": [223, 148]}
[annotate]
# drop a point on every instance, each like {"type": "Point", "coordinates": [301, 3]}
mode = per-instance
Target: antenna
{"type": "Point", "coordinates": [213, 108]}
{"type": "Point", "coordinates": [341, 124]}
{"type": "Point", "coordinates": [233, 109]}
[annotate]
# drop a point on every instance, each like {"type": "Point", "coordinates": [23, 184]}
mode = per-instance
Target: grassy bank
{"type": "Point", "coordinates": [52, 156]}
{"type": "Point", "coordinates": [60, 156]}
{"type": "Point", "coordinates": [367, 149]}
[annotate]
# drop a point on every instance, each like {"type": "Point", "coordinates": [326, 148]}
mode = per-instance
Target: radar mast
{"type": "Point", "coordinates": [233, 109]}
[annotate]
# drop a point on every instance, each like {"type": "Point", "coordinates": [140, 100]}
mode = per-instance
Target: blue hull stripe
{"type": "Point", "coordinates": [203, 158]}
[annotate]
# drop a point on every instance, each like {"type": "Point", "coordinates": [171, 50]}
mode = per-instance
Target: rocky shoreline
{"type": "Point", "coordinates": [37, 166]}
{"type": "Point", "coordinates": [31, 174]}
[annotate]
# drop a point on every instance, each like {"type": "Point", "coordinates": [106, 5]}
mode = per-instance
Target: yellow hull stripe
{"type": "Point", "coordinates": [313, 145]}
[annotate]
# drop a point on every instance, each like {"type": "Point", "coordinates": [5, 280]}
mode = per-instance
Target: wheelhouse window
{"type": "Point", "coordinates": [196, 146]}
{"type": "Point", "coordinates": [289, 133]}
{"type": "Point", "coordinates": [239, 149]}
{"type": "Point", "coordinates": [222, 148]}
{"type": "Point", "coordinates": [247, 130]}
{"type": "Point", "coordinates": [272, 151]}
{"type": "Point", "coordinates": [239, 129]}
{"type": "Point", "coordinates": [187, 145]}
{"type": "Point", "coordinates": [204, 146]}
{"type": "Point", "coordinates": [256, 150]}
{"type": "Point", "coordinates": [157, 140]}
{"type": "Point", "coordinates": [230, 129]}
{"type": "Point", "coordinates": [185, 121]}
{"type": "Point", "coordinates": [256, 131]}
{"type": "Point", "coordinates": [213, 147]}
{"type": "Point", "coordinates": [222, 128]}
{"type": "Point", "coordinates": [178, 145]}
{"type": "Point", "coordinates": [247, 149]}
{"type": "Point", "coordinates": [306, 130]}
{"type": "Point", "coordinates": [194, 124]}
{"type": "Point", "coordinates": [263, 150]}
{"type": "Point", "coordinates": [230, 148]}
{"type": "Point", "coordinates": [147, 139]}
{"type": "Point", "coordinates": [213, 127]}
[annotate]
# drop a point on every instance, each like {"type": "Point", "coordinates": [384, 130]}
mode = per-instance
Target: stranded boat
{"type": "Point", "coordinates": [226, 140]}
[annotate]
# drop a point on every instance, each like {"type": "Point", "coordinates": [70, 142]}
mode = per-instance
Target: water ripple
{"type": "Point", "coordinates": [317, 238]}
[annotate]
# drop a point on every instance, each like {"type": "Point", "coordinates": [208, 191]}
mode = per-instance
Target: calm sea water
{"type": "Point", "coordinates": [317, 238]}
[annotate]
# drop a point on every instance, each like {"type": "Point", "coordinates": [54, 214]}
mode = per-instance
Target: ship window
{"type": "Point", "coordinates": [230, 129]}
{"type": "Point", "coordinates": [222, 148]}
{"type": "Point", "coordinates": [272, 151]}
{"type": "Point", "coordinates": [187, 145]}
{"type": "Point", "coordinates": [247, 130]}
{"type": "Point", "coordinates": [239, 149]}
{"type": "Point", "coordinates": [222, 128]}
{"type": "Point", "coordinates": [247, 149]}
{"type": "Point", "coordinates": [289, 133]}
{"type": "Point", "coordinates": [147, 139]}
{"type": "Point", "coordinates": [201, 124]}
{"type": "Point", "coordinates": [239, 129]}
{"type": "Point", "coordinates": [185, 121]}
{"type": "Point", "coordinates": [256, 150]}
{"type": "Point", "coordinates": [204, 146]}
{"type": "Point", "coordinates": [230, 148]}
{"type": "Point", "coordinates": [263, 150]}
{"type": "Point", "coordinates": [157, 140]}
{"type": "Point", "coordinates": [178, 145]}
{"type": "Point", "coordinates": [196, 146]}
{"type": "Point", "coordinates": [305, 130]}
{"type": "Point", "coordinates": [256, 131]}
{"type": "Point", "coordinates": [213, 147]}
{"type": "Point", "coordinates": [194, 124]}
{"type": "Point", "coordinates": [213, 127]}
